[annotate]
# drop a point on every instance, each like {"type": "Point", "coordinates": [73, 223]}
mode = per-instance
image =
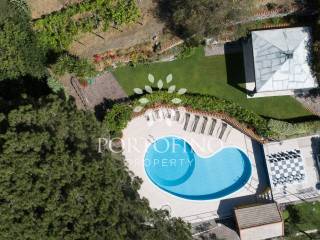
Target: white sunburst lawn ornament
{"type": "Point", "coordinates": [159, 84]}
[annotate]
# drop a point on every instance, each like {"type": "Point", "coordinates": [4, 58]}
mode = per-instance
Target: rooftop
{"type": "Point", "coordinates": [281, 59]}
{"type": "Point", "coordinates": [259, 215]}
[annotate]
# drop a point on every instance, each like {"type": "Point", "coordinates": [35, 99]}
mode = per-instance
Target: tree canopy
{"type": "Point", "coordinates": [203, 18]}
{"type": "Point", "coordinates": [20, 53]}
{"type": "Point", "coordinates": [55, 185]}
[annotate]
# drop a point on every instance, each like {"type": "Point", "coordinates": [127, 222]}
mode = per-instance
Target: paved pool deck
{"type": "Point", "coordinates": [140, 133]}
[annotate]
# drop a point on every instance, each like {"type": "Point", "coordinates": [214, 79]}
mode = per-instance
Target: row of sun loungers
{"type": "Point", "coordinates": [192, 122]}
{"type": "Point", "coordinates": [161, 114]}
{"type": "Point", "coordinates": [207, 125]}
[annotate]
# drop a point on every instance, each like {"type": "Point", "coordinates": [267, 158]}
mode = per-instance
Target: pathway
{"type": "Point", "coordinates": [310, 102]}
{"type": "Point", "coordinates": [213, 49]}
{"type": "Point", "coordinates": [105, 88]}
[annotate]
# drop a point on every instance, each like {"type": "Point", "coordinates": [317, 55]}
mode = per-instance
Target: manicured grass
{"type": "Point", "coordinates": [221, 76]}
{"type": "Point", "coordinates": [305, 216]}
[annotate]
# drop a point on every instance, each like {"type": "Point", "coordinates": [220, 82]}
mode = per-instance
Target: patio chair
{"type": "Point", "coordinates": [212, 126]}
{"type": "Point", "coordinates": [217, 128]}
{"type": "Point", "coordinates": [157, 115]}
{"type": "Point", "coordinates": [187, 119]}
{"type": "Point", "coordinates": [195, 123]}
{"type": "Point", "coordinates": [177, 116]}
{"type": "Point", "coordinates": [204, 125]}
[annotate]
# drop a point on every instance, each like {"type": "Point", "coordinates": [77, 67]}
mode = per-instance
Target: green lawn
{"type": "Point", "coordinates": [221, 76]}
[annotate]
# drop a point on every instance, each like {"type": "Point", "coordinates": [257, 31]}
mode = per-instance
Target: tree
{"type": "Point", "coordinates": [20, 54]}
{"type": "Point", "coordinates": [202, 18]}
{"type": "Point", "coordinates": [55, 185]}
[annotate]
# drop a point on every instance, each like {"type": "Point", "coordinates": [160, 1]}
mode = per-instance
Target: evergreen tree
{"type": "Point", "coordinates": [20, 54]}
{"type": "Point", "coordinates": [202, 18]}
{"type": "Point", "coordinates": [55, 185]}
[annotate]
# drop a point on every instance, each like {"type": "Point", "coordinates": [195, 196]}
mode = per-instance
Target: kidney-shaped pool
{"type": "Point", "coordinates": [173, 166]}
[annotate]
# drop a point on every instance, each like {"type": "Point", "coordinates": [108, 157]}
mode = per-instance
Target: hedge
{"type": "Point", "coordinates": [119, 115]}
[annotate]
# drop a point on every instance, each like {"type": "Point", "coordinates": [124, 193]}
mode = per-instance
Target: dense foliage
{"type": "Point", "coordinates": [301, 218]}
{"type": "Point", "coordinates": [82, 68]}
{"type": "Point", "coordinates": [53, 182]}
{"type": "Point", "coordinates": [58, 30]}
{"type": "Point", "coordinates": [55, 185]}
{"type": "Point", "coordinates": [19, 51]}
{"type": "Point", "coordinates": [203, 18]}
{"type": "Point", "coordinates": [55, 85]}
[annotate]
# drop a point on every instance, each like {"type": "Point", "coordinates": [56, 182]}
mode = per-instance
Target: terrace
{"type": "Point", "coordinates": [282, 172]}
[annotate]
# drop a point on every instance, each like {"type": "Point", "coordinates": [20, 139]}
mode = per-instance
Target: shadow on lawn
{"type": "Point", "coordinates": [235, 68]}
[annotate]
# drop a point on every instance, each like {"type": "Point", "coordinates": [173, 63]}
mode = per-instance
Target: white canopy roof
{"type": "Point", "coordinates": [281, 59]}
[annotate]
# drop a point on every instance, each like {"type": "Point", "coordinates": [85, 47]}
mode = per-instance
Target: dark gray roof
{"type": "Point", "coordinates": [249, 217]}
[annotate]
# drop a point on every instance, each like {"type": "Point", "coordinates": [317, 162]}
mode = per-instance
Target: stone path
{"type": "Point", "coordinates": [310, 102]}
{"type": "Point", "coordinates": [222, 48]}
{"type": "Point", "coordinates": [105, 88]}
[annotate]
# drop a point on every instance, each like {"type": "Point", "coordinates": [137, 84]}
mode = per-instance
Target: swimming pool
{"type": "Point", "coordinates": [173, 166]}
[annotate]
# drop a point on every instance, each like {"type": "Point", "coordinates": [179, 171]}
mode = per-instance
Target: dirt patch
{"type": "Point", "coordinates": [144, 30]}
{"type": "Point", "coordinates": [40, 8]}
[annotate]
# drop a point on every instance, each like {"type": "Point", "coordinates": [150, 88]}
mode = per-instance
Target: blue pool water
{"type": "Point", "coordinates": [173, 166]}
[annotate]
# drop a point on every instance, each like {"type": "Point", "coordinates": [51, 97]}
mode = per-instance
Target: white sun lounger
{"type": "Point", "coordinates": [186, 121]}
{"type": "Point", "coordinates": [211, 126]}
{"type": "Point", "coordinates": [227, 133]}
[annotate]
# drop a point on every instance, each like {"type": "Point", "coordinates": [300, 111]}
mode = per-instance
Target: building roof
{"type": "Point", "coordinates": [282, 59]}
{"type": "Point", "coordinates": [257, 215]}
